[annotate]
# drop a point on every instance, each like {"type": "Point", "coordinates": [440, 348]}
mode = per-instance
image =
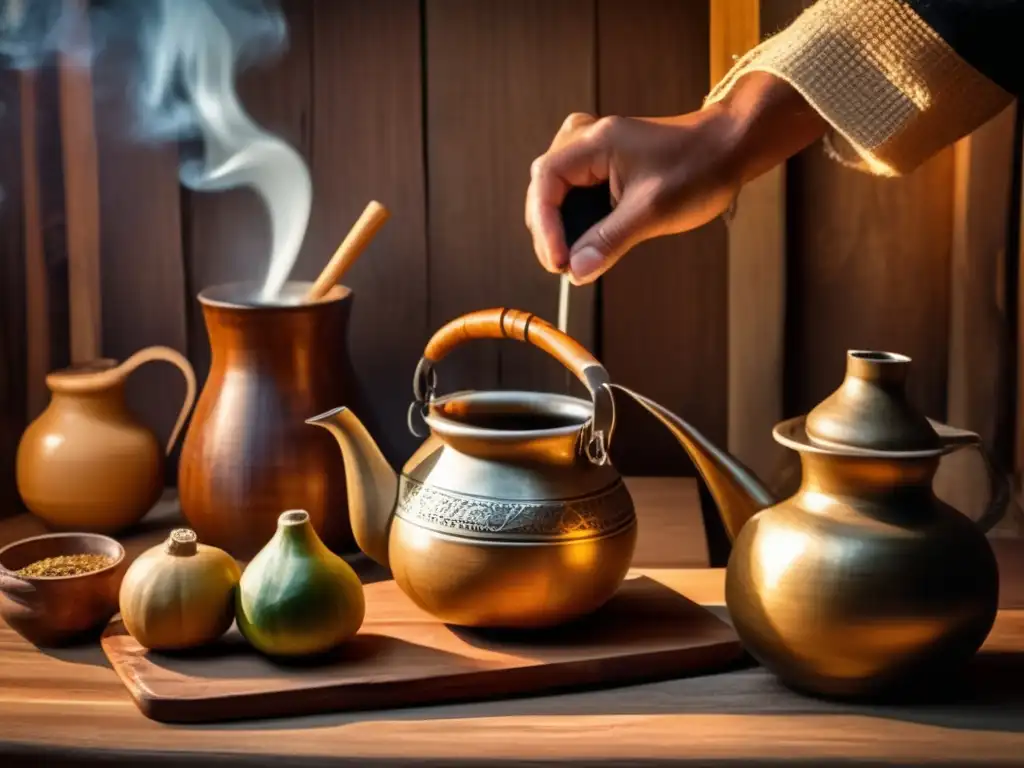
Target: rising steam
{"type": "Point", "coordinates": [191, 47]}
{"type": "Point", "coordinates": [190, 52]}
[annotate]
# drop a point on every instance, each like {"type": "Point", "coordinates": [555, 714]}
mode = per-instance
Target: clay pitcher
{"type": "Point", "coordinates": [248, 453]}
{"type": "Point", "coordinates": [87, 463]}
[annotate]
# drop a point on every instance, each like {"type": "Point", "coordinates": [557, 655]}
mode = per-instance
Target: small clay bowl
{"type": "Point", "coordinates": [51, 611]}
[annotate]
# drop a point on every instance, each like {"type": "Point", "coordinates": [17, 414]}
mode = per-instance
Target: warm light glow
{"type": "Point", "coordinates": [812, 501]}
{"type": "Point", "coordinates": [302, 365]}
{"type": "Point", "coordinates": [581, 555]}
{"type": "Point", "coordinates": [779, 550]}
{"type": "Point", "coordinates": [230, 403]}
{"type": "Point", "coordinates": [418, 539]}
{"type": "Point", "coordinates": [53, 442]}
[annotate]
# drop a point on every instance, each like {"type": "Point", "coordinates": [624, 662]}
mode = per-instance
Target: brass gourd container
{"type": "Point", "coordinates": [863, 583]}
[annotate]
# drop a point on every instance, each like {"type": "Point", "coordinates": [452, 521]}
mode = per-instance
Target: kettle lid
{"type": "Point", "coordinates": [869, 412]}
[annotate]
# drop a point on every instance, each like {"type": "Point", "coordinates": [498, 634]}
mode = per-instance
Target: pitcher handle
{"type": "Point", "coordinates": [502, 323]}
{"type": "Point", "coordinates": [167, 355]}
{"type": "Point", "coordinates": [953, 439]}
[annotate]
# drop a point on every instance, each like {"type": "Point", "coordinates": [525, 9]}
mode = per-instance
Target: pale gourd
{"type": "Point", "coordinates": [296, 597]}
{"type": "Point", "coordinates": [179, 594]}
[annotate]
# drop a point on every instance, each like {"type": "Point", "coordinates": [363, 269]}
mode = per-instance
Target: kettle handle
{"type": "Point", "coordinates": [515, 324]}
{"type": "Point", "coordinates": [954, 439]}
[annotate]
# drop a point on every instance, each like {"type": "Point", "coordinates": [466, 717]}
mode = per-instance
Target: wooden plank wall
{"type": "Point", "coordinates": [500, 78]}
{"type": "Point", "coordinates": [436, 108]}
{"type": "Point", "coordinates": [142, 272]}
{"type": "Point", "coordinates": [367, 143]}
{"type": "Point", "coordinates": [664, 307]}
{"type": "Point", "coordinates": [48, 315]}
{"type": "Point", "coordinates": [81, 190]}
{"type": "Point", "coordinates": [867, 274]}
{"type": "Point", "coordinates": [756, 263]}
{"type": "Point", "coordinates": [980, 328]}
{"type": "Point", "coordinates": [14, 360]}
{"type": "Point", "coordinates": [34, 306]}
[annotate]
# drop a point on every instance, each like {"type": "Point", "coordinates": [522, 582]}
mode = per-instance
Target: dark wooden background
{"type": "Point", "coordinates": [436, 108]}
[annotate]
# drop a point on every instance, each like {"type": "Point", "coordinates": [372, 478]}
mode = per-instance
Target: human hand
{"type": "Point", "coordinates": [667, 175]}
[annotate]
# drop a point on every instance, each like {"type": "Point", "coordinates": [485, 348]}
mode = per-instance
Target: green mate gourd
{"type": "Point", "coordinates": [296, 597]}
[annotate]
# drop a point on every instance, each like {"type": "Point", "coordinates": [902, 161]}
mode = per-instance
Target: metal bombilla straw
{"type": "Point", "coordinates": [582, 208]}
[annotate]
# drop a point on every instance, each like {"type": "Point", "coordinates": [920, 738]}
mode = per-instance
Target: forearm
{"type": "Point", "coordinates": [769, 122]}
{"type": "Point", "coordinates": [891, 90]}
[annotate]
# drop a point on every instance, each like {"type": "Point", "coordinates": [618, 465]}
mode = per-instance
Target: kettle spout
{"type": "Point", "coordinates": [736, 490]}
{"type": "Point", "coordinates": [372, 484]}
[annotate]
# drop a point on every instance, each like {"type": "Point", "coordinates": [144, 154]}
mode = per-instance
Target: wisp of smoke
{"type": "Point", "coordinates": [191, 46]}
{"type": "Point", "coordinates": [30, 30]}
{"type": "Point", "coordinates": [190, 54]}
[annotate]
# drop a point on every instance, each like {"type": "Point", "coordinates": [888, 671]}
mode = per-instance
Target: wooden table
{"type": "Point", "coordinates": [60, 708]}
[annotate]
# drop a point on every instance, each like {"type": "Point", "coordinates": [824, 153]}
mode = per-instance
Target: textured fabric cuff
{"type": "Point", "coordinates": [892, 90]}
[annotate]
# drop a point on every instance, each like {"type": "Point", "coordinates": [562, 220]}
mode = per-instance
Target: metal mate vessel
{"type": "Point", "coordinates": [510, 515]}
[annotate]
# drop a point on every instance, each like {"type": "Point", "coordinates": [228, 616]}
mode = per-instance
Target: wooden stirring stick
{"type": "Point", "coordinates": [355, 242]}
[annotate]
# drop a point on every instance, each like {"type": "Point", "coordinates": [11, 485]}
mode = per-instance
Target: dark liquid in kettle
{"type": "Point", "coordinates": [516, 422]}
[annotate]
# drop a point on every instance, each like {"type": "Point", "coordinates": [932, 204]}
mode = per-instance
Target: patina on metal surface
{"type": "Point", "coordinates": [862, 583]}
{"type": "Point", "coordinates": [509, 514]}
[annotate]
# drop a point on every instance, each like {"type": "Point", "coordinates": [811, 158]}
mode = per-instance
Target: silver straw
{"type": "Point", "coordinates": [563, 303]}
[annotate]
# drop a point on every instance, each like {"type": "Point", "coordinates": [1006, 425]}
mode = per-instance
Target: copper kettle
{"type": "Point", "coordinates": [509, 514]}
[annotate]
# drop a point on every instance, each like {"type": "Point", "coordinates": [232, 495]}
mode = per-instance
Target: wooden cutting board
{"type": "Point", "coordinates": [403, 656]}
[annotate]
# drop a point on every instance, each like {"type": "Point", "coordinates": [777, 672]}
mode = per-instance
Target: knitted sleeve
{"type": "Point", "coordinates": [892, 90]}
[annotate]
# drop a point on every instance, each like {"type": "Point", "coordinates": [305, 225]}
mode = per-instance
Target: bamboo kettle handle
{"type": "Point", "coordinates": [501, 323]}
{"type": "Point", "coordinates": [511, 324]}
{"type": "Point", "coordinates": [167, 355]}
